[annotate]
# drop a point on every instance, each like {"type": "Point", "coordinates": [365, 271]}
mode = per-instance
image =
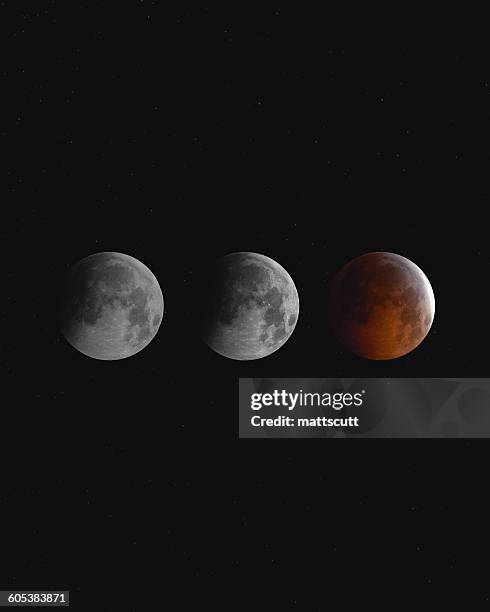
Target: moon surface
{"type": "Point", "coordinates": [381, 305]}
{"type": "Point", "coordinates": [112, 307]}
{"type": "Point", "coordinates": [252, 306]}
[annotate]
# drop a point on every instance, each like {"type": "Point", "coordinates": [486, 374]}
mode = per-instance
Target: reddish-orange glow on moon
{"type": "Point", "coordinates": [381, 305]}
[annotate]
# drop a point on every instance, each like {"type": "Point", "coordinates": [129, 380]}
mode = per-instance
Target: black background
{"type": "Point", "coordinates": [177, 137]}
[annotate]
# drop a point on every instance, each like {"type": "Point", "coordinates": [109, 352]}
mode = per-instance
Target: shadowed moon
{"type": "Point", "coordinates": [251, 306]}
{"type": "Point", "coordinates": [112, 306]}
{"type": "Point", "coordinates": [381, 305]}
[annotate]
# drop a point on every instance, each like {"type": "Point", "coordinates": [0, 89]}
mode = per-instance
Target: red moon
{"type": "Point", "coordinates": [381, 305]}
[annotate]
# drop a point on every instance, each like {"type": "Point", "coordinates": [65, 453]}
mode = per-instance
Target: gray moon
{"type": "Point", "coordinates": [112, 306]}
{"type": "Point", "coordinates": [252, 306]}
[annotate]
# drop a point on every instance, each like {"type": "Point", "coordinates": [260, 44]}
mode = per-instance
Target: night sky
{"type": "Point", "coordinates": [177, 136]}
